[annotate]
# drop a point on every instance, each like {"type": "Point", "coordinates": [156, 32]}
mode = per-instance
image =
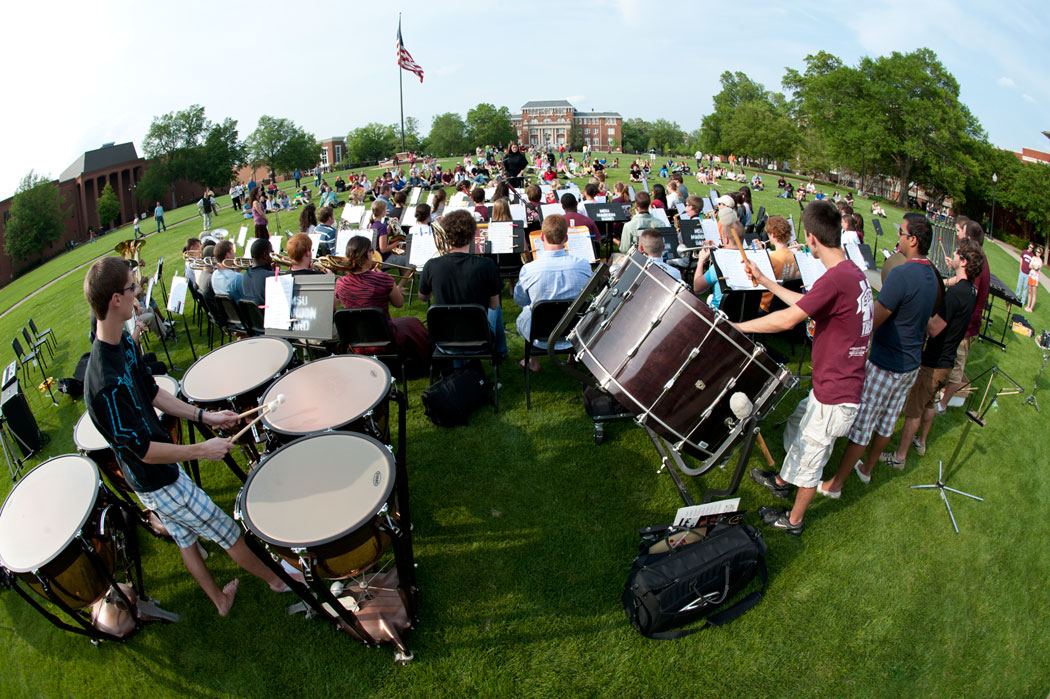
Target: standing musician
{"type": "Point", "coordinates": [514, 164]}
{"type": "Point", "coordinates": [840, 304]}
{"type": "Point", "coordinates": [902, 312]}
{"type": "Point", "coordinates": [120, 397]}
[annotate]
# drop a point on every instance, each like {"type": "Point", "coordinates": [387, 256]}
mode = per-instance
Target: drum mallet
{"type": "Point", "coordinates": [263, 412]}
{"type": "Point", "coordinates": [742, 407]}
{"type": "Point", "coordinates": [743, 258]}
{"type": "Point", "coordinates": [265, 406]}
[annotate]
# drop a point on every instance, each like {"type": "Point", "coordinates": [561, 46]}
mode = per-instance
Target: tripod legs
{"type": "Point", "coordinates": [941, 487]}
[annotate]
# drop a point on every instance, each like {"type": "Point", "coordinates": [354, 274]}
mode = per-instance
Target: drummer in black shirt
{"type": "Point", "coordinates": [120, 396]}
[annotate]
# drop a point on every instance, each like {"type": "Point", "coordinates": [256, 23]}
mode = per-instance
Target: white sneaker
{"type": "Point", "coordinates": [834, 495]}
{"type": "Point", "coordinates": [863, 479]}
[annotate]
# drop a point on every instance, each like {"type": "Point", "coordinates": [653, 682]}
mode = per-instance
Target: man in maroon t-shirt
{"type": "Point", "coordinates": [575, 218]}
{"type": "Point", "coordinates": [971, 230]}
{"type": "Point", "coordinates": [840, 303]}
{"type": "Point", "coordinates": [1022, 277]}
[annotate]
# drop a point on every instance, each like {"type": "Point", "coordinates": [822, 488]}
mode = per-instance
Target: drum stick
{"type": "Point", "coordinates": [265, 410]}
{"type": "Point", "coordinates": [765, 450]}
{"type": "Point", "coordinates": [743, 255]}
{"type": "Point", "coordinates": [271, 405]}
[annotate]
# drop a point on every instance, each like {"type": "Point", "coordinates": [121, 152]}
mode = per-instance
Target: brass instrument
{"type": "Point", "coordinates": [129, 250]}
{"type": "Point", "coordinates": [440, 238]}
{"type": "Point", "coordinates": [199, 263]}
{"type": "Point", "coordinates": [336, 264]}
{"type": "Point", "coordinates": [188, 255]}
{"type": "Point", "coordinates": [238, 263]}
{"type": "Point", "coordinates": [280, 259]}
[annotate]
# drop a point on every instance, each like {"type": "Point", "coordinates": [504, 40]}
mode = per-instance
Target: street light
{"type": "Point", "coordinates": [991, 227]}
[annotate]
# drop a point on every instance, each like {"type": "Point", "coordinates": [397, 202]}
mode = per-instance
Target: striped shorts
{"type": "Point", "coordinates": [188, 513]}
{"type": "Point", "coordinates": [881, 402]}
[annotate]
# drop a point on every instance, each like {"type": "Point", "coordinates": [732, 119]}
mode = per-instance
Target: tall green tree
{"type": "Point", "coordinates": [108, 206]}
{"type": "Point", "coordinates": [737, 89]}
{"type": "Point", "coordinates": [448, 135]}
{"type": "Point", "coordinates": [373, 142]}
{"type": "Point", "coordinates": [758, 130]}
{"type": "Point", "coordinates": [635, 133]}
{"type": "Point", "coordinates": [487, 125]}
{"type": "Point", "coordinates": [36, 217]}
{"type": "Point", "coordinates": [575, 138]}
{"type": "Point", "coordinates": [220, 156]}
{"type": "Point", "coordinates": [281, 146]}
{"type": "Point", "coordinates": [174, 139]}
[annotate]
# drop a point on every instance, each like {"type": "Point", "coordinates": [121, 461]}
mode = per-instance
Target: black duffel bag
{"type": "Point", "coordinates": [452, 400]}
{"type": "Point", "coordinates": [672, 585]}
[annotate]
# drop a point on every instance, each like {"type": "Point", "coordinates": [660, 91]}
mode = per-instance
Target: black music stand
{"type": "Point", "coordinates": [164, 295]}
{"type": "Point", "coordinates": [996, 289]}
{"type": "Point", "coordinates": [1044, 344]}
{"type": "Point", "coordinates": [606, 214]}
{"type": "Point", "coordinates": [975, 416]}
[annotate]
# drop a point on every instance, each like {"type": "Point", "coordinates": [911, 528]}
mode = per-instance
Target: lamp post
{"type": "Point", "coordinates": [991, 226]}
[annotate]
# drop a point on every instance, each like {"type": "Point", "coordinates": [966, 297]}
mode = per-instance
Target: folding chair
{"type": "Point", "coordinates": [545, 317]}
{"type": "Point", "coordinates": [46, 333]}
{"type": "Point", "coordinates": [252, 317]}
{"type": "Point", "coordinates": [368, 328]}
{"type": "Point", "coordinates": [24, 358]}
{"type": "Point", "coordinates": [35, 345]}
{"type": "Point", "coordinates": [234, 324]}
{"type": "Point", "coordinates": [461, 331]}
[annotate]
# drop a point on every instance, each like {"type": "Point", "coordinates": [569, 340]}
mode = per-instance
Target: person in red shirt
{"type": "Point", "coordinates": [574, 218]}
{"type": "Point", "coordinates": [1022, 277]}
{"type": "Point", "coordinates": [840, 304]}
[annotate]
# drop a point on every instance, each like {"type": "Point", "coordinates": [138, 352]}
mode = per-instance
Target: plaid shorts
{"type": "Point", "coordinates": [881, 402]}
{"type": "Point", "coordinates": [188, 513]}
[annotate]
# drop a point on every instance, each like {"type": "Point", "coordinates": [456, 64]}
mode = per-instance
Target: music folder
{"type": "Point", "coordinates": [670, 236]}
{"type": "Point", "coordinates": [692, 232]}
{"type": "Point", "coordinates": [609, 212]}
{"type": "Point", "coordinates": [300, 306]}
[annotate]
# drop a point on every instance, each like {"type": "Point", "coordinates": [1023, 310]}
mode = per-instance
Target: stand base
{"type": "Point", "coordinates": [941, 487]}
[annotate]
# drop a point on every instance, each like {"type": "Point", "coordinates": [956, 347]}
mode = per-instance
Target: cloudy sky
{"type": "Point", "coordinates": [81, 74]}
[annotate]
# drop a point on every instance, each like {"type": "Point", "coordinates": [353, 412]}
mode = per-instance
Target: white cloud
{"type": "Point", "coordinates": [1028, 98]}
{"type": "Point", "coordinates": [632, 10]}
{"type": "Point", "coordinates": [576, 99]}
{"type": "Point", "coordinates": [1005, 82]}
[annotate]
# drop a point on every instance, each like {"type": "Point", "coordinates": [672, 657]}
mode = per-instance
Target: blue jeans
{"type": "Point", "coordinates": [1022, 287]}
{"type": "Point", "coordinates": [498, 331]}
{"type": "Point", "coordinates": [160, 222]}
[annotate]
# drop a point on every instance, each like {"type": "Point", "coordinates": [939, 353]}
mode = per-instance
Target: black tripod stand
{"type": "Point", "coordinates": [1044, 345]}
{"type": "Point", "coordinates": [975, 415]}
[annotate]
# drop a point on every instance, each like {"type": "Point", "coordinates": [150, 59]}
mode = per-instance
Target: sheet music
{"type": "Point", "coordinates": [707, 207]}
{"type": "Point", "coordinates": [315, 240]}
{"type": "Point", "coordinates": [517, 212]}
{"type": "Point", "coordinates": [809, 267]}
{"type": "Point", "coordinates": [579, 243]}
{"type": "Point", "coordinates": [341, 239]}
{"type": "Point", "coordinates": [732, 267]}
{"type": "Point", "coordinates": [489, 192]}
{"type": "Point", "coordinates": [546, 189]}
{"type": "Point", "coordinates": [408, 216]}
{"type": "Point", "coordinates": [630, 191]}
{"type": "Point", "coordinates": [661, 214]}
{"type": "Point", "coordinates": [645, 183]}
{"type": "Point", "coordinates": [791, 222]}
{"type": "Point", "coordinates": [501, 237]}
{"type": "Point", "coordinates": [352, 214]}
{"type": "Point", "coordinates": [601, 199]}
{"type": "Point", "coordinates": [423, 247]}
{"type": "Point", "coordinates": [459, 200]}
{"type": "Point", "coordinates": [853, 253]}
{"type": "Point", "coordinates": [430, 200]}
{"type": "Point", "coordinates": [688, 516]}
{"type": "Point", "coordinates": [413, 195]}
{"type": "Point", "coordinates": [275, 241]}
{"type": "Point", "coordinates": [278, 310]}
{"type": "Point", "coordinates": [680, 207]}
{"type": "Point", "coordinates": [548, 209]}
{"type": "Point", "coordinates": [710, 228]}
{"type": "Point", "coordinates": [850, 237]}
{"type": "Point", "coordinates": [242, 235]}
{"type": "Point", "coordinates": [177, 294]}
{"type": "Point", "coordinates": [149, 290]}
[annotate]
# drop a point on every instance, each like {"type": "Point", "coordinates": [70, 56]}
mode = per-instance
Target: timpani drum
{"type": "Point", "coordinates": [672, 361]}
{"type": "Point", "coordinates": [235, 375]}
{"type": "Point", "coordinates": [345, 392]}
{"type": "Point", "coordinates": [322, 497]}
{"type": "Point", "coordinates": [49, 521]}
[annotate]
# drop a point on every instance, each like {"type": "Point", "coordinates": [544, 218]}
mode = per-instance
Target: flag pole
{"type": "Point", "coordinates": [400, 84]}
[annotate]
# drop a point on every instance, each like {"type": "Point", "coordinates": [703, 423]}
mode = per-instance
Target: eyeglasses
{"type": "Point", "coordinates": [134, 285]}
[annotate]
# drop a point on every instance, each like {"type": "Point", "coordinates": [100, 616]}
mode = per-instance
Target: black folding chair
{"type": "Point", "coordinates": [46, 333]}
{"type": "Point", "coordinates": [461, 331]}
{"type": "Point", "coordinates": [234, 324]}
{"type": "Point", "coordinates": [545, 317]}
{"type": "Point", "coordinates": [252, 317]}
{"type": "Point", "coordinates": [369, 328]}
{"type": "Point", "coordinates": [25, 358]}
{"type": "Point", "coordinates": [35, 345]}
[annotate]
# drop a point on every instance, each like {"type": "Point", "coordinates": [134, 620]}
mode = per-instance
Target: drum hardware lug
{"type": "Point", "coordinates": [700, 385]}
{"type": "Point", "coordinates": [678, 446]}
{"type": "Point", "coordinates": [663, 465]}
{"type": "Point", "coordinates": [642, 418]}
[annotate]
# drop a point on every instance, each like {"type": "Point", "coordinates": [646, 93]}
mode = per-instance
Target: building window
{"type": "Point", "coordinates": [587, 131]}
{"type": "Point", "coordinates": [324, 156]}
{"type": "Point", "coordinates": [339, 152]}
{"type": "Point", "coordinates": [612, 132]}
{"type": "Point", "coordinates": [587, 141]}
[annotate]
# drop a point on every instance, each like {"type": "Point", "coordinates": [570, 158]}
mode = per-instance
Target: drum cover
{"type": "Point", "coordinates": [317, 489]}
{"type": "Point", "coordinates": [45, 511]}
{"type": "Point", "coordinates": [326, 394]}
{"type": "Point", "coordinates": [236, 368]}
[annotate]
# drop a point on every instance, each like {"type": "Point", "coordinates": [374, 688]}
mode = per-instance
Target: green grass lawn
{"type": "Point", "coordinates": [525, 530]}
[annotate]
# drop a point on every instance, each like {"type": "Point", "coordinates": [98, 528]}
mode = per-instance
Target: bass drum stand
{"type": "Point", "coordinates": [976, 415]}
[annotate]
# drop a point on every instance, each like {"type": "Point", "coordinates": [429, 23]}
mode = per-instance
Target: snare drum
{"type": "Point", "coordinates": [235, 375]}
{"type": "Point", "coordinates": [47, 518]}
{"type": "Point", "coordinates": [672, 361]}
{"type": "Point", "coordinates": [321, 496]}
{"type": "Point", "coordinates": [317, 399]}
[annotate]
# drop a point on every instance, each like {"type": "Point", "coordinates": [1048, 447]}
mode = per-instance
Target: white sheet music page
{"type": "Point", "coordinates": [661, 215]}
{"type": "Point", "coordinates": [546, 188]}
{"type": "Point", "coordinates": [341, 239]}
{"type": "Point", "coordinates": [408, 216]}
{"type": "Point", "coordinates": [810, 268]}
{"type": "Point", "coordinates": [275, 241]}
{"type": "Point", "coordinates": [177, 295]}
{"type": "Point", "coordinates": [430, 200]}
{"type": "Point", "coordinates": [601, 199]}
{"type": "Point", "coordinates": [278, 310]}
{"type": "Point", "coordinates": [501, 237]}
{"type": "Point", "coordinates": [517, 212]}
{"type": "Point", "coordinates": [707, 206]}
{"type": "Point", "coordinates": [579, 243]}
{"type": "Point", "coordinates": [489, 192]}
{"type": "Point", "coordinates": [688, 516]}
{"type": "Point", "coordinates": [353, 214]}
{"type": "Point", "coordinates": [242, 235]}
{"type": "Point", "coordinates": [732, 267]}
{"type": "Point", "coordinates": [630, 191]}
{"type": "Point", "coordinates": [413, 196]}
{"type": "Point", "coordinates": [423, 246]}
{"type": "Point", "coordinates": [315, 243]}
{"type": "Point", "coordinates": [853, 253]}
{"type": "Point", "coordinates": [548, 209]}
{"type": "Point", "coordinates": [710, 228]}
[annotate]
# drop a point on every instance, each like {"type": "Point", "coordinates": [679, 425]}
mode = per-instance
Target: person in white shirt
{"type": "Point", "coordinates": [652, 244]}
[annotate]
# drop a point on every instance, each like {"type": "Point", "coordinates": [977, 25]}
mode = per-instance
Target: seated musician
{"type": "Point", "coordinates": [553, 276]}
{"type": "Point", "coordinates": [781, 257]}
{"type": "Point", "coordinates": [365, 287]}
{"type": "Point", "coordinates": [709, 279]}
{"type": "Point", "coordinates": [533, 216]}
{"type": "Point", "coordinates": [326, 228]}
{"type": "Point", "coordinates": [694, 207]}
{"type": "Point", "coordinates": [253, 283]}
{"type": "Point", "coordinates": [477, 195]}
{"type": "Point", "coordinates": [300, 249]}
{"type": "Point", "coordinates": [400, 197]}
{"type": "Point", "coordinates": [574, 218]}
{"type": "Point", "coordinates": [652, 244]}
{"type": "Point", "coordinates": [203, 275]}
{"type": "Point", "coordinates": [459, 277]}
{"type": "Point", "coordinates": [308, 219]}
{"type": "Point", "coordinates": [500, 211]}
{"type": "Point", "coordinates": [840, 303]}
{"type": "Point", "coordinates": [120, 397]}
{"type": "Point", "coordinates": [640, 221]}
{"type": "Point", "coordinates": [192, 244]}
{"type": "Point", "coordinates": [438, 205]}
{"type": "Point", "coordinates": [227, 281]}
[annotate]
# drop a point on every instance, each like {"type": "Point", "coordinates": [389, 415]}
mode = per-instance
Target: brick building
{"type": "Point", "coordinates": [547, 122]}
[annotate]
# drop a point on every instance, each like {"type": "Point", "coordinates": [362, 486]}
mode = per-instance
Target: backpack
{"type": "Point", "coordinates": [451, 401]}
{"type": "Point", "coordinates": [206, 204]}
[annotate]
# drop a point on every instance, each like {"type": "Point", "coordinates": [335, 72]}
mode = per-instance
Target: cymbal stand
{"type": "Point", "coordinates": [976, 416]}
{"type": "Point", "coordinates": [1030, 398]}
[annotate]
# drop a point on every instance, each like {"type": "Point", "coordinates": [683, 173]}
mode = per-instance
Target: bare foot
{"type": "Point", "coordinates": [228, 593]}
{"type": "Point", "coordinates": [534, 364]}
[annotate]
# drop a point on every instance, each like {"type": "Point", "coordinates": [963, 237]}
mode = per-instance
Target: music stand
{"type": "Point", "coordinates": [976, 416]}
{"type": "Point", "coordinates": [1044, 344]}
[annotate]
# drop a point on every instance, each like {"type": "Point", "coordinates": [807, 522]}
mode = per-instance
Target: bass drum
{"type": "Point", "coordinates": [45, 523]}
{"type": "Point", "coordinates": [322, 495]}
{"type": "Point", "coordinates": [672, 361]}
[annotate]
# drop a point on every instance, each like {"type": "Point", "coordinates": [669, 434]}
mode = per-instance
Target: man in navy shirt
{"type": "Point", "coordinates": [902, 310]}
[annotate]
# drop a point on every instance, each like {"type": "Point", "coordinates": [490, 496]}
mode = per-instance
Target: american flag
{"type": "Point", "coordinates": [404, 58]}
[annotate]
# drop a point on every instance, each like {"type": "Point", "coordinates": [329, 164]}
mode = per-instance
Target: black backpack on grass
{"type": "Point", "coordinates": [670, 585]}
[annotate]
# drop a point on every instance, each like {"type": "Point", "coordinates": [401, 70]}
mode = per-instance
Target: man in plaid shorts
{"type": "Point", "coordinates": [902, 311]}
{"type": "Point", "coordinates": [121, 395]}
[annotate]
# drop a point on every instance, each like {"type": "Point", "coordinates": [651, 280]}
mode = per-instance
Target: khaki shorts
{"type": "Point", "coordinates": [927, 384]}
{"type": "Point", "coordinates": [809, 439]}
{"type": "Point", "coordinates": [957, 375]}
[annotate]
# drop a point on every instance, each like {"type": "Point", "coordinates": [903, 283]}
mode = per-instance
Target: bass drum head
{"type": "Point", "coordinates": [321, 493]}
{"type": "Point", "coordinates": [313, 399]}
{"type": "Point", "coordinates": [46, 510]}
{"type": "Point", "coordinates": [235, 369]}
